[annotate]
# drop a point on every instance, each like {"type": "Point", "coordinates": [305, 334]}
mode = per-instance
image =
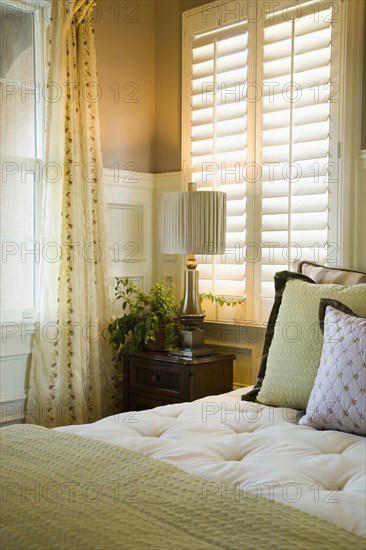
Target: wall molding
{"type": "Point", "coordinates": [142, 180]}
{"type": "Point", "coordinates": [138, 280]}
{"type": "Point", "coordinates": [137, 252]}
{"type": "Point", "coordinates": [124, 179]}
{"type": "Point", "coordinates": [168, 181]}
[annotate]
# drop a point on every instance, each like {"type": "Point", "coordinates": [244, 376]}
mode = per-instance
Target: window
{"type": "Point", "coordinates": [21, 73]}
{"type": "Point", "coordinates": [261, 122]}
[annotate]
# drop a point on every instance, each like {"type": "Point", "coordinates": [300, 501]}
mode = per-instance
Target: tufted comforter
{"type": "Point", "coordinates": [259, 451]}
{"type": "Point", "coordinates": [65, 491]}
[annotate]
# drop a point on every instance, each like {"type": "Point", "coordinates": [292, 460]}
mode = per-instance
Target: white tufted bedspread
{"type": "Point", "coordinates": [258, 449]}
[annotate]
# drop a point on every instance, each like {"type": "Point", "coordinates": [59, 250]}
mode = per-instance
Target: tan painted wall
{"type": "Point", "coordinates": [139, 47]}
{"type": "Point", "coordinates": [169, 81]}
{"type": "Point", "coordinates": [125, 38]}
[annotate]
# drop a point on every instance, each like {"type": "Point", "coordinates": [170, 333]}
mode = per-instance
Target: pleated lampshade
{"type": "Point", "coordinates": [193, 222]}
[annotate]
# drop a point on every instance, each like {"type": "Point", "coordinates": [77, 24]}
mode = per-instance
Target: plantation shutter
{"type": "Point", "coordinates": [218, 143]}
{"type": "Point", "coordinates": [299, 165]}
{"type": "Point", "coordinates": [261, 108]}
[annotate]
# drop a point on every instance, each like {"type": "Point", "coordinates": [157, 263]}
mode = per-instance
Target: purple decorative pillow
{"type": "Point", "coordinates": [338, 398]}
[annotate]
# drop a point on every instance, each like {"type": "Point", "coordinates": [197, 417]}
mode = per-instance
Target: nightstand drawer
{"type": "Point", "coordinates": [161, 380]}
{"type": "Point", "coordinates": [154, 379]}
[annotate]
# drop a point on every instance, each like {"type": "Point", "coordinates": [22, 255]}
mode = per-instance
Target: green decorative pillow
{"type": "Point", "coordinates": [293, 342]}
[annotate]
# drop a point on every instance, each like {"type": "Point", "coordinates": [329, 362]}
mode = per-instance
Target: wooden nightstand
{"type": "Point", "coordinates": [153, 379]}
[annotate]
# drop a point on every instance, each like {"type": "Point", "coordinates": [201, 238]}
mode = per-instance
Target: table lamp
{"type": "Point", "coordinates": [192, 222]}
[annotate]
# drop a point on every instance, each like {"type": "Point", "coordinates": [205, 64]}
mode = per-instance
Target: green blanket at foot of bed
{"type": "Point", "coordinates": [65, 491]}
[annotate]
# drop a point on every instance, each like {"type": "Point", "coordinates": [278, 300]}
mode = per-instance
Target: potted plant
{"type": "Point", "coordinates": [148, 318]}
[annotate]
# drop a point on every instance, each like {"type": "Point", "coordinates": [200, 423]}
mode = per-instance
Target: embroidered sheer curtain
{"type": "Point", "coordinates": [72, 378]}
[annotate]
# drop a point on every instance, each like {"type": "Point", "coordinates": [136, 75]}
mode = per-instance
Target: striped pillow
{"type": "Point", "coordinates": [328, 275]}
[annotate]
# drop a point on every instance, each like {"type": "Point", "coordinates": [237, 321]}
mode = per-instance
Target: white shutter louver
{"type": "Point", "coordinates": [218, 144]}
{"type": "Point", "coordinates": [296, 152]}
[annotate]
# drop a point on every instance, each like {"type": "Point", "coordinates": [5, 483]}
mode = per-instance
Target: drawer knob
{"type": "Point", "coordinates": [155, 377]}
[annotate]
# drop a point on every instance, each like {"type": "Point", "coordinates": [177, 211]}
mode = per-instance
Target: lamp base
{"type": "Point", "coordinates": [192, 344]}
{"type": "Point", "coordinates": [191, 314]}
{"type": "Point", "coordinates": [191, 339]}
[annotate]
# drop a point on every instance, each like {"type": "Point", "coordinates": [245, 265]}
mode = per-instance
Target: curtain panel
{"type": "Point", "coordinates": [72, 377]}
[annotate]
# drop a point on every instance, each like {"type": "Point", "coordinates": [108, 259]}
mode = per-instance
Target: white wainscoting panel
{"type": "Point", "coordinates": [128, 236]}
{"type": "Point", "coordinates": [130, 198]}
{"type": "Point", "coordinates": [133, 210]}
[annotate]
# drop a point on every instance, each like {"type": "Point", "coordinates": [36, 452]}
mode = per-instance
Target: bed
{"type": "Point", "coordinates": [226, 471]}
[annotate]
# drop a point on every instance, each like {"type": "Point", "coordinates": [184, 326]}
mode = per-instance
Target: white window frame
{"type": "Point", "coordinates": [345, 211]}
{"type": "Point", "coordinates": [41, 11]}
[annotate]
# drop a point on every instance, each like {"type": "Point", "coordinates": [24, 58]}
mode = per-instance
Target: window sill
{"type": "Point", "coordinates": [245, 323]}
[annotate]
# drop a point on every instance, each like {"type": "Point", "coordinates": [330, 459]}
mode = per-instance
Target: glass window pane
{"type": "Point", "coordinates": [17, 138]}
{"type": "Point", "coordinates": [16, 44]}
{"type": "Point", "coordinates": [17, 277]}
{"type": "Point", "coordinates": [17, 206]}
{"type": "Point", "coordinates": [17, 120]}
